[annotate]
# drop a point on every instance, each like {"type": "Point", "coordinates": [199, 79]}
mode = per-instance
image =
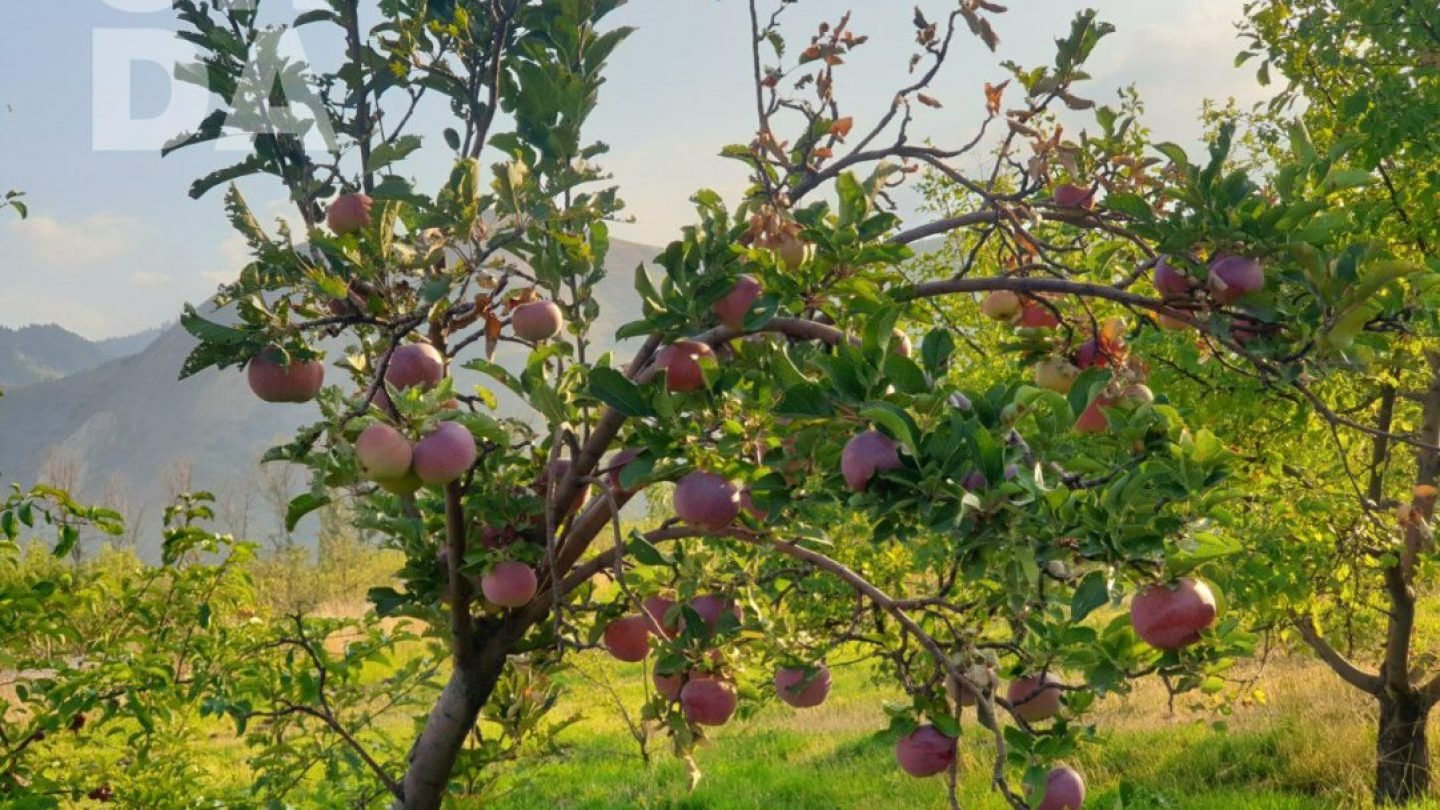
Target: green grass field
{"type": "Point", "coordinates": [1309, 746]}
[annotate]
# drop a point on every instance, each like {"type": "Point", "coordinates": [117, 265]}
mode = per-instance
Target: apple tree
{"type": "Point", "coordinates": [953, 465]}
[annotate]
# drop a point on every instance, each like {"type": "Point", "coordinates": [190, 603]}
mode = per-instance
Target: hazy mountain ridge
{"type": "Point", "coordinates": [43, 352]}
{"type": "Point", "coordinates": [127, 433]}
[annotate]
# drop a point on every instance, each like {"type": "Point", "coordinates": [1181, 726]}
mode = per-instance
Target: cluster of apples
{"type": "Point", "coordinates": [1228, 280]}
{"type": "Point", "coordinates": [386, 455]}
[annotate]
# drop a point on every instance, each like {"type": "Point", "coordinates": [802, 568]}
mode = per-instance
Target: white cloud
{"type": "Point", "coordinates": [147, 279]}
{"type": "Point", "coordinates": [74, 245]}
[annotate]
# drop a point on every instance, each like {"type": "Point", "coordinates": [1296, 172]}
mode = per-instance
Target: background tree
{"type": "Point", "coordinates": [845, 471]}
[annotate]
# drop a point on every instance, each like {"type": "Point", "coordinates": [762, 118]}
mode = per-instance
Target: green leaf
{"type": "Point", "coordinates": [1094, 591]}
{"type": "Point", "coordinates": [302, 505]}
{"type": "Point", "coordinates": [393, 152]}
{"type": "Point", "coordinates": [612, 388]}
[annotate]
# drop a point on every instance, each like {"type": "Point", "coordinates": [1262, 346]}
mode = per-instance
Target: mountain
{"type": "Point", "coordinates": [34, 354]}
{"type": "Point", "coordinates": [127, 433]}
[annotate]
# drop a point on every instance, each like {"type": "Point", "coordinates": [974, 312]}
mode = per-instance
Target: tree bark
{"type": "Point", "coordinates": [1402, 763]}
{"type": "Point", "coordinates": [432, 759]}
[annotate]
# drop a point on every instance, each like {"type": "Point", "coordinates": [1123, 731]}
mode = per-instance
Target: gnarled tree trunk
{"type": "Point", "coordinates": [1402, 757]}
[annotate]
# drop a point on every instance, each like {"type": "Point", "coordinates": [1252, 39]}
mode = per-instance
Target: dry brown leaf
{"type": "Point", "coordinates": [927, 100]}
{"type": "Point", "coordinates": [842, 127]}
{"type": "Point", "coordinates": [993, 94]}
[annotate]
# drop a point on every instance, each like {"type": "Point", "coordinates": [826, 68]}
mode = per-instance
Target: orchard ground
{"type": "Point", "coordinates": [1309, 745]}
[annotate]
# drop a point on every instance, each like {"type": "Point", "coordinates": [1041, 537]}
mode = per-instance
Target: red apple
{"type": "Point", "coordinates": [349, 213]}
{"type": "Point", "coordinates": [865, 455]}
{"type": "Point", "coordinates": [537, 320]}
{"type": "Point", "coordinates": [1064, 790]}
{"type": "Point", "coordinates": [1171, 283]}
{"type": "Point", "coordinates": [1036, 316]}
{"type": "Point", "coordinates": [736, 304]}
{"type": "Point", "coordinates": [628, 639]}
{"type": "Point", "coordinates": [616, 465]}
{"type": "Point", "coordinates": [1035, 698]}
{"type": "Point", "coordinates": [798, 688]}
{"type": "Point", "coordinates": [711, 607]}
{"type": "Point", "coordinates": [383, 452]}
{"type": "Point", "coordinates": [655, 609]}
{"type": "Point", "coordinates": [669, 686]}
{"type": "Point", "coordinates": [1093, 420]}
{"type": "Point", "coordinates": [1069, 195]}
{"type": "Point", "coordinates": [445, 454]}
{"type": "Point", "coordinates": [1056, 374]}
{"type": "Point", "coordinates": [509, 584]}
{"type": "Point", "coordinates": [681, 362]}
{"type": "Point", "coordinates": [975, 481]}
{"type": "Point", "coordinates": [1172, 616]}
{"type": "Point", "coordinates": [926, 751]}
{"type": "Point", "coordinates": [1234, 277]}
{"type": "Point", "coordinates": [1090, 355]}
{"type": "Point", "coordinates": [274, 380]}
{"type": "Point", "coordinates": [1001, 305]}
{"type": "Point", "coordinates": [415, 364]}
{"type": "Point", "coordinates": [493, 538]}
{"type": "Point", "coordinates": [708, 701]}
{"type": "Point", "coordinates": [706, 500]}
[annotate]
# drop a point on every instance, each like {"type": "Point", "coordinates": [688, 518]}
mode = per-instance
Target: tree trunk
{"type": "Point", "coordinates": [1402, 765]}
{"type": "Point", "coordinates": [432, 759]}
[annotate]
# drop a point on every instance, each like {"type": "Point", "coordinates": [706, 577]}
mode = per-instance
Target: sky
{"type": "Point", "coordinates": [114, 244]}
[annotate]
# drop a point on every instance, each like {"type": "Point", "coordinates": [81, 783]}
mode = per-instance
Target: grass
{"type": "Point", "coordinates": [1310, 745]}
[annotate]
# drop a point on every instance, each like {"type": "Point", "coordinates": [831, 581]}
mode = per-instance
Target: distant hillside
{"type": "Point", "coordinates": [129, 434]}
{"type": "Point", "coordinates": [34, 354]}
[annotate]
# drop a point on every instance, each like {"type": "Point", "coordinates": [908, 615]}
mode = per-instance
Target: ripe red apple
{"type": "Point", "coordinates": [1056, 374]}
{"type": "Point", "coordinates": [415, 364]}
{"type": "Point", "coordinates": [1069, 195]}
{"type": "Point", "coordinates": [1001, 305]}
{"type": "Point", "coordinates": [1036, 316]}
{"type": "Point", "coordinates": [616, 465]}
{"type": "Point", "coordinates": [865, 455]}
{"type": "Point", "coordinates": [274, 380]}
{"type": "Point", "coordinates": [1064, 790]}
{"type": "Point", "coordinates": [1234, 277]}
{"type": "Point", "coordinates": [1035, 698]}
{"type": "Point", "coordinates": [445, 454]}
{"type": "Point", "coordinates": [537, 320]}
{"type": "Point", "coordinates": [708, 701]}
{"type": "Point", "coordinates": [795, 688]}
{"type": "Point", "coordinates": [493, 538]}
{"type": "Point", "coordinates": [556, 471]}
{"type": "Point", "coordinates": [711, 607]}
{"type": "Point", "coordinates": [706, 500]}
{"type": "Point", "coordinates": [1090, 355]}
{"type": "Point", "coordinates": [1170, 282]}
{"type": "Point", "coordinates": [681, 361]}
{"type": "Point", "coordinates": [349, 213]}
{"type": "Point", "coordinates": [1093, 420]}
{"type": "Point", "coordinates": [655, 610]}
{"type": "Point", "coordinates": [509, 584]}
{"type": "Point", "coordinates": [669, 686]}
{"type": "Point", "coordinates": [736, 304]}
{"type": "Point", "coordinates": [926, 751]}
{"type": "Point", "coordinates": [975, 481]}
{"type": "Point", "coordinates": [628, 639]}
{"type": "Point", "coordinates": [383, 452]}
{"type": "Point", "coordinates": [1172, 616]}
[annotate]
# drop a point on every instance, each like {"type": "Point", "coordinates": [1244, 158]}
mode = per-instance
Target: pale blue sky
{"type": "Point", "coordinates": [114, 244]}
